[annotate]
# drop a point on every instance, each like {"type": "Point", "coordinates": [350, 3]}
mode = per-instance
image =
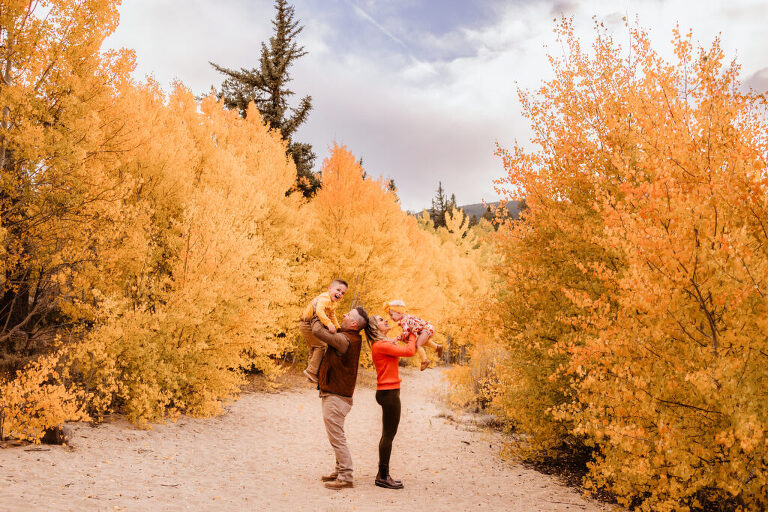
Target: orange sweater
{"type": "Point", "coordinates": [386, 355]}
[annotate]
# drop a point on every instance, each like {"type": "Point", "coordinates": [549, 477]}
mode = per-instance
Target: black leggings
{"type": "Point", "coordinates": [389, 400]}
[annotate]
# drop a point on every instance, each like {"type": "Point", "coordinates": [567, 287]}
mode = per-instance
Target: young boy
{"type": "Point", "coordinates": [324, 308]}
{"type": "Point", "coordinates": [413, 325]}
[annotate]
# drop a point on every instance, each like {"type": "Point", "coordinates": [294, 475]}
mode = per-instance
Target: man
{"type": "Point", "coordinates": [336, 381]}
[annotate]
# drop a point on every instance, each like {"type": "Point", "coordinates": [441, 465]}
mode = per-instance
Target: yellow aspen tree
{"type": "Point", "coordinates": [471, 319]}
{"type": "Point", "coordinates": [216, 291]}
{"type": "Point", "coordinates": [57, 141]}
{"type": "Point", "coordinates": [634, 302]}
{"type": "Point", "coordinates": [58, 145]}
{"type": "Point", "coordinates": [359, 233]}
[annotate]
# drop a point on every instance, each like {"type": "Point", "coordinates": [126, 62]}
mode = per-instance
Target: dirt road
{"type": "Point", "coordinates": [268, 452]}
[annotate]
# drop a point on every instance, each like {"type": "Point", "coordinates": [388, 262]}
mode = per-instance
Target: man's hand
{"type": "Point", "coordinates": [332, 328]}
{"type": "Point", "coordinates": [336, 340]}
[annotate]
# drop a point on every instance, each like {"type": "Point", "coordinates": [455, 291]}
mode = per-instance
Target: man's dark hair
{"type": "Point", "coordinates": [364, 314]}
{"type": "Point", "coordinates": [340, 281]}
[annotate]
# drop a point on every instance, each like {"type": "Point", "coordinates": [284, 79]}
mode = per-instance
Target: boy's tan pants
{"type": "Point", "coordinates": [316, 347]}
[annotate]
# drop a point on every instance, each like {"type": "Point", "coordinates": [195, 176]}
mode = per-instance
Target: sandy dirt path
{"type": "Point", "coordinates": [268, 451]}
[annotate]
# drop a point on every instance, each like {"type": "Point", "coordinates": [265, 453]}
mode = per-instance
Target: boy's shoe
{"type": "Point", "coordinates": [329, 478]}
{"type": "Point", "coordinates": [337, 485]}
{"type": "Point", "coordinates": [439, 351]}
{"type": "Point", "coordinates": [425, 364]}
{"type": "Point", "coordinates": [311, 377]}
{"type": "Point", "coordinates": [388, 483]}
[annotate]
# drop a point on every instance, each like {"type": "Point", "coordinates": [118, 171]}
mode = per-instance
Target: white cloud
{"type": "Point", "coordinates": [175, 39]}
{"type": "Point", "coordinates": [758, 82]}
{"type": "Point", "coordinates": [422, 119]}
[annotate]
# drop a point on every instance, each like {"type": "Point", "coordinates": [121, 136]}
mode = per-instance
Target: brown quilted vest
{"type": "Point", "coordinates": [338, 372]}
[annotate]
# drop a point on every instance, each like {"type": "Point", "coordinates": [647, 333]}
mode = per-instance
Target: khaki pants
{"type": "Point", "coordinates": [335, 410]}
{"type": "Point", "coordinates": [316, 347]}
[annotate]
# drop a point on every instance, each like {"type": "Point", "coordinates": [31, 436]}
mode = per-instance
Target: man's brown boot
{"type": "Point", "coordinates": [337, 485]}
{"type": "Point", "coordinates": [329, 478]}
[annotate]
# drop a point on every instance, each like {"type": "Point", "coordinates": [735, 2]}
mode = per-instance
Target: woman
{"type": "Point", "coordinates": [386, 356]}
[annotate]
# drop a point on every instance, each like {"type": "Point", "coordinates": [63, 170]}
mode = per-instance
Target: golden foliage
{"type": "Point", "coordinates": [208, 281]}
{"type": "Point", "coordinates": [154, 227]}
{"type": "Point", "coordinates": [634, 297]}
{"type": "Point", "coordinates": [37, 399]}
{"type": "Point", "coordinates": [359, 232]}
{"type": "Point", "coordinates": [152, 232]}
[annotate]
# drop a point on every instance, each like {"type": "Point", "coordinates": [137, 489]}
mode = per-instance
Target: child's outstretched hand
{"type": "Point", "coordinates": [332, 328]}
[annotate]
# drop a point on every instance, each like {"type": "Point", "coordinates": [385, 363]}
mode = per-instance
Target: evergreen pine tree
{"type": "Point", "coordinates": [489, 214]}
{"type": "Point", "coordinates": [362, 169]}
{"type": "Point", "coordinates": [451, 204]}
{"type": "Point", "coordinates": [439, 206]}
{"type": "Point", "coordinates": [267, 87]}
{"type": "Point", "coordinates": [391, 187]}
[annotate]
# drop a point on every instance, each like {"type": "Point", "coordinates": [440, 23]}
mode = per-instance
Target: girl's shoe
{"type": "Point", "coordinates": [425, 364]}
{"type": "Point", "coordinates": [439, 351]}
{"type": "Point", "coordinates": [389, 483]}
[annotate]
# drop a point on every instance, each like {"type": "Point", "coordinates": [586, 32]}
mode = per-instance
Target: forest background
{"type": "Point", "coordinates": [156, 246]}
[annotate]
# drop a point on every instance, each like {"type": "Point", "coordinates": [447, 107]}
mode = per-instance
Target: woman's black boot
{"type": "Point", "coordinates": [387, 481]}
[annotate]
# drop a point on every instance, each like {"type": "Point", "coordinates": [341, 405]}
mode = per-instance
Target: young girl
{"type": "Point", "coordinates": [413, 325]}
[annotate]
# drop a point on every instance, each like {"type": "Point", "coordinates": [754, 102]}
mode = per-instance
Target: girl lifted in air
{"type": "Point", "coordinates": [413, 325]}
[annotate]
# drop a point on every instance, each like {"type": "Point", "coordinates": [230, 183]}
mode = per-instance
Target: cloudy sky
{"type": "Point", "coordinates": [421, 90]}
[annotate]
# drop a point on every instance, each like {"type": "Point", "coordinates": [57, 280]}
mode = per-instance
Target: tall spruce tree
{"type": "Point", "coordinates": [452, 204]}
{"type": "Point", "coordinates": [267, 87]}
{"type": "Point", "coordinates": [439, 206]}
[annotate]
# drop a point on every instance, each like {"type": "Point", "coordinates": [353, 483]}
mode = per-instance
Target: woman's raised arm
{"type": "Point", "coordinates": [390, 348]}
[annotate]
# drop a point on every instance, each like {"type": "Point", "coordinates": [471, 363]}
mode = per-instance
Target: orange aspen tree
{"type": "Point", "coordinates": [57, 141]}
{"type": "Point", "coordinates": [216, 287]}
{"type": "Point", "coordinates": [551, 254]}
{"type": "Point", "coordinates": [36, 400]}
{"type": "Point", "coordinates": [58, 144]}
{"type": "Point", "coordinates": [360, 233]}
{"type": "Point", "coordinates": [685, 420]}
{"type": "Point", "coordinates": [643, 248]}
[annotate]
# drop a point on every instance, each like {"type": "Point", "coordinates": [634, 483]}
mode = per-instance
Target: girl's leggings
{"type": "Point", "coordinates": [389, 400]}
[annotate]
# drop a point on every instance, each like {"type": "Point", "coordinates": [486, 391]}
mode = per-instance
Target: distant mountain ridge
{"type": "Point", "coordinates": [478, 209]}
